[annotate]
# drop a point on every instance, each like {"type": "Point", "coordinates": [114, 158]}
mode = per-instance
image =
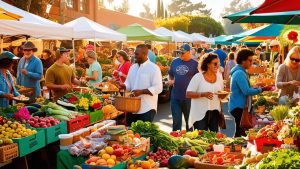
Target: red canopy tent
{"type": "Point", "coordinates": [270, 6]}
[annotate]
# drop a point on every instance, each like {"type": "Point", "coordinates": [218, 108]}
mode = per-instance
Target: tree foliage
{"type": "Point", "coordinates": [37, 7]}
{"type": "Point", "coordinates": [147, 12]}
{"type": "Point", "coordinates": [124, 7]}
{"type": "Point", "coordinates": [178, 7]}
{"type": "Point", "coordinates": [192, 24]}
{"type": "Point", "coordinates": [174, 23]}
{"type": "Point", "coordinates": [235, 6]}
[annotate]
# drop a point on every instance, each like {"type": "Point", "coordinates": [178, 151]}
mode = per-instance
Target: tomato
{"type": "Point", "coordinates": [220, 161]}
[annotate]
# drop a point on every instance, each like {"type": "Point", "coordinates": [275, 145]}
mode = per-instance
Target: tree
{"type": "Point", "coordinates": [192, 24]}
{"type": "Point", "coordinates": [159, 9]}
{"type": "Point", "coordinates": [235, 6]}
{"type": "Point", "coordinates": [37, 7]}
{"type": "Point", "coordinates": [166, 14]}
{"type": "Point", "coordinates": [124, 7]}
{"type": "Point", "coordinates": [147, 12]}
{"type": "Point", "coordinates": [187, 7]}
{"type": "Point", "coordinates": [205, 25]}
{"type": "Point", "coordinates": [174, 23]}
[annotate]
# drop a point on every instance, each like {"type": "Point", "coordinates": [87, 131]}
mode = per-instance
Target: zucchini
{"type": "Point", "coordinates": [36, 105]}
{"type": "Point", "coordinates": [32, 109]}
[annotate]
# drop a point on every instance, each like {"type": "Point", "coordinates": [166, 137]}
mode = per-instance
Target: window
{"type": "Point", "coordinates": [82, 5]}
{"type": "Point", "coordinates": [100, 4]}
{"type": "Point", "coordinates": [70, 3]}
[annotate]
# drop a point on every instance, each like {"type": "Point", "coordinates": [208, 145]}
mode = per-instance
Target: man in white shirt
{"type": "Point", "coordinates": [144, 80]}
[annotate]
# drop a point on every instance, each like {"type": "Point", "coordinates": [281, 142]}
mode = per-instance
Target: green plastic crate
{"type": "Point", "coordinates": [96, 116]}
{"type": "Point", "coordinates": [51, 133]}
{"type": "Point", "coordinates": [122, 165]}
{"type": "Point", "coordinates": [31, 143]}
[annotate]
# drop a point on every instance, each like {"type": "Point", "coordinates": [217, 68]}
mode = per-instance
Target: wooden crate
{"type": "Point", "coordinates": [8, 152]}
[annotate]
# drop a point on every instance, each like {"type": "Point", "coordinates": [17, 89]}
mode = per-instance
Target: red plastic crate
{"type": "Point", "coordinates": [74, 124]}
{"type": "Point", "coordinates": [261, 142]}
{"type": "Point", "coordinates": [85, 119]}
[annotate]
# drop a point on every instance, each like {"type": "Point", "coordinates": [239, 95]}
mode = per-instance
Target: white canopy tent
{"type": "Point", "coordinates": [88, 29]}
{"type": "Point", "coordinates": [187, 35]}
{"type": "Point", "coordinates": [201, 38]}
{"type": "Point", "coordinates": [176, 37]}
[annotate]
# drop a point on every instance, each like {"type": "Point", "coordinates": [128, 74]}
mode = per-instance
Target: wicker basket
{"type": "Point", "coordinates": [8, 152]}
{"type": "Point", "coordinates": [128, 104]}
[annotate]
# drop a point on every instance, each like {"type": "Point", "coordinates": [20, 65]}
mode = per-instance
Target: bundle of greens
{"type": "Point", "coordinates": [158, 137]}
{"type": "Point", "coordinates": [279, 112]}
{"type": "Point", "coordinates": [281, 159]}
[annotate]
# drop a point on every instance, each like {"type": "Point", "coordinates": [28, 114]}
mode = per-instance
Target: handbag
{"type": "Point", "coordinates": [222, 123]}
{"type": "Point", "coordinates": [248, 119]}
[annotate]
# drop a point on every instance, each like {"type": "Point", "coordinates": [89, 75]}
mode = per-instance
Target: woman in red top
{"type": "Point", "coordinates": [121, 73]}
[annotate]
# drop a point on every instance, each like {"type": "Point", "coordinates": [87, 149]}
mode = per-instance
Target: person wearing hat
{"type": "Point", "coordinates": [94, 74]}
{"type": "Point", "coordinates": [60, 77]}
{"type": "Point", "coordinates": [181, 72]}
{"type": "Point", "coordinates": [30, 69]}
{"type": "Point", "coordinates": [7, 88]}
{"type": "Point", "coordinates": [275, 57]}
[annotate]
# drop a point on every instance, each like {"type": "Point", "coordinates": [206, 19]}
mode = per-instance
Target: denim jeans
{"type": "Point", "coordinates": [179, 107]}
{"type": "Point", "coordinates": [210, 121]}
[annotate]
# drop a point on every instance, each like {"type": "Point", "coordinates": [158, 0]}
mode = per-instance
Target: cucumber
{"type": "Point", "coordinates": [36, 105]}
{"type": "Point", "coordinates": [40, 113]}
{"type": "Point", "coordinates": [32, 109]}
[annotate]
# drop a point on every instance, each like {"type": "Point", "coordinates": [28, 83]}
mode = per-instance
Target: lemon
{"type": "Point", "coordinates": [5, 125]}
{"type": "Point", "coordinates": [24, 134]}
{"type": "Point", "coordinates": [105, 156]}
{"type": "Point", "coordinates": [15, 135]}
{"type": "Point", "coordinates": [8, 129]}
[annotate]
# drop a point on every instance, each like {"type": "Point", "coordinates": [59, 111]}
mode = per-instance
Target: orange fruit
{"type": "Point", "coordinates": [132, 166]}
{"type": "Point", "coordinates": [183, 131]}
{"type": "Point", "coordinates": [139, 168]}
{"type": "Point", "coordinates": [151, 161]}
{"type": "Point", "coordinates": [105, 156]}
{"type": "Point", "coordinates": [113, 157]}
{"type": "Point", "coordinates": [146, 165]}
{"type": "Point", "coordinates": [129, 132]}
{"type": "Point", "coordinates": [137, 135]}
{"type": "Point", "coordinates": [131, 135]}
{"type": "Point", "coordinates": [109, 150]}
{"type": "Point", "coordinates": [111, 162]}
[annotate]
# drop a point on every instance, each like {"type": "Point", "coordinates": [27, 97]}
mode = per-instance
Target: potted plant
{"type": "Point", "coordinates": [260, 105]}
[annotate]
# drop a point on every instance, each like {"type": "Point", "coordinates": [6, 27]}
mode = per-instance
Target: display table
{"type": "Point", "coordinates": [66, 161]}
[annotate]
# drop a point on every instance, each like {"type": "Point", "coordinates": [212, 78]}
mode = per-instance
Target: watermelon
{"type": "Point", "coordinates": [177, 162]}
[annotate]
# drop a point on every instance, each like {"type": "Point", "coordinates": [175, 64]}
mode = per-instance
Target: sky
{"type": "Point", "coordinates": [217, 6]}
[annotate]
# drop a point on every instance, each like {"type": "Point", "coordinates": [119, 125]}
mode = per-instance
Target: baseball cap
{"type": "Point", "coordinates": [274, 43]}
{"type": "Point", "coordinates": [7, 55]}
{"type": "Point", "coordinates": [184, 48]}
{"type": "Point", "coordinates": [63, 49]}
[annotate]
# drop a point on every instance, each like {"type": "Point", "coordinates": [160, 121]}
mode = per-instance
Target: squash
{"type": "Point", "coordinates": [177, 162]}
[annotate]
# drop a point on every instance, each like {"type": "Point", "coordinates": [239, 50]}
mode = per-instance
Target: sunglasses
{"type": "Point", "coordinates": [295, 60]}
{"type": "Point", "coordinates": [215, 63]}
{"type": "Point", "coordinates": [27, 50]}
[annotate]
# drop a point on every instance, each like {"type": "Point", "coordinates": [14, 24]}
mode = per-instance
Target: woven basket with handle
{"type": "Point", "coordinates": [128, 104]}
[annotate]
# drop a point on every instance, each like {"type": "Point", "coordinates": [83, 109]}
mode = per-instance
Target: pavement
{"type": "Point", "coordinates": [164, 119]}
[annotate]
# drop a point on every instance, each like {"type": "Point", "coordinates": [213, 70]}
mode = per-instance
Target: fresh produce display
{"type": "Point", "coordinates": [158, 137]}
{"type": "Point", "coordinates": [281, 159]}
{"type": "Point", "coordinates": [251, 162]}
{"type": "Point", "coordinates": [162, 156]}
{"type": "Point", "coordinates": [42, 122]}
{"type": "Point", "coordinates": [110, 112]}
{"type": "Point", "coordinates": [177, 162]}
{"type": "Point", "coordinates": [60, 113]}
{"type": "Point", "coordinates": [81, 101]}
{"type": "Point", "coordinates": [86, 147]}
{"type": "Point", "coordinates": [279, 112]}
{"type": "Point", "coordinates": [14, 130]}
{"type": "Point", "coordinates": [222, 158]}
{"type": "Point", "coordinates": [269, 131]}
{"type": "Point", "coordinates": [22, 114]}
{"type": "Point", "coordinates": [149, 164]}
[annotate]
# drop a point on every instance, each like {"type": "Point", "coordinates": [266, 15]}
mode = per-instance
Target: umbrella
{"type": "Point", "coordinates": [270, 6]}
{"type": "Point", "coordinates": [140, 33]}
{"type": "Point", "coordinates": [290, 17]}
{"type": "Point", "coordinates": [5, 15]}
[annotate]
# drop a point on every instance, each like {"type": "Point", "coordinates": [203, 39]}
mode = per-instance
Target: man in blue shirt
{"type": "Point", "coordinates": [181, 72]}
{"type": "Point", "coordinates": [151, 55]}
{"type": "Point", "coordinates": [221, 54]}
{"type": "Point", "coordinates": [30, 69]}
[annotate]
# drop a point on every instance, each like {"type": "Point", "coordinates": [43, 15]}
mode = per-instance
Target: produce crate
{"type": "Point", "coordinates": [265, 145]}
{"type": "Point", "coordinates": [121, 165]}
{"type": "Point", "coordinates": [31, 143]}
{"type": "Point", "coordinates": [8, 152]}
{"type": "Point", "coordinates": [96, 116]}
{"type": "Point", "coordinates": [78, 123]}
{"type": "Point", "coordinates": [52, 133]}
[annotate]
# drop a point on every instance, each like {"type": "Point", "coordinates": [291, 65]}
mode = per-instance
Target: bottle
{"type": "Point", "coordinates": [46, 93]}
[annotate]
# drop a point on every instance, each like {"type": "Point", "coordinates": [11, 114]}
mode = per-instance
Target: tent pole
{"type": "Point", "coordinates": [1, 45]}
{"type": "Point", "coordinates": [74, 58]}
